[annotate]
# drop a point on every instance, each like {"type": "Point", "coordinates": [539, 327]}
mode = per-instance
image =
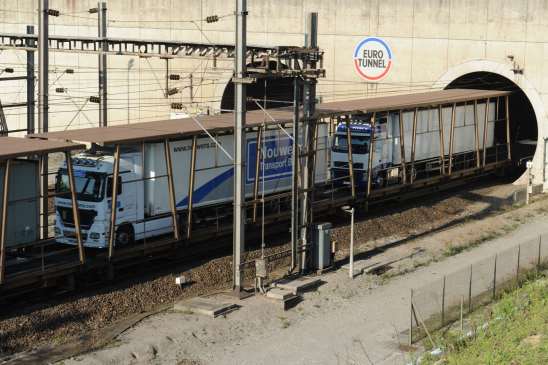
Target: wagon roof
{"type": "Point", "coordinates": [172, 128]}
{"type": "Point", "coordinates": [13, 147]}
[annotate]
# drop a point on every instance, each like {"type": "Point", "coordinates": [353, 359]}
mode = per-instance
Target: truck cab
{"type": "Point", "coordinates": [384, 145]}
{"type": "Point", "coordinates": [93, 183]}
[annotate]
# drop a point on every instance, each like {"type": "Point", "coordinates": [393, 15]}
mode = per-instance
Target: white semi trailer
{"type": "Point", "coordinates": [387, 145]}
{"type": "Point", "coordinates": [143, 194]}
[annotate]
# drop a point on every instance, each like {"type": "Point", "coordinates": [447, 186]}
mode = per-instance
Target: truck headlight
{"type": "Point", "coordinates": [94, 235]}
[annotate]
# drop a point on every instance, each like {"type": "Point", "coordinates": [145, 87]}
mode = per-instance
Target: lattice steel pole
{"type": "Point", "coordinates": [102, 30]}
{"type": "Point", "coordinates": [43, 107]}
{"type": "Point", "coordinates": [240, 74]}
{"type": "Point", "coordinates": [309, 110]}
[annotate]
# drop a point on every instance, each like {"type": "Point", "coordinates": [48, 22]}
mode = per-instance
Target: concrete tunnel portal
{"type": "Point", "coordinates": [523, 120]}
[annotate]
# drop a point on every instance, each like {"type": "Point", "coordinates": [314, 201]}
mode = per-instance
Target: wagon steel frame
{"type": "Point", "coordinates": [329, 196]}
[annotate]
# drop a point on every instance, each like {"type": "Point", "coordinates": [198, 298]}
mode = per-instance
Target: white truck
{"type": "Point", "coordinates": [143, 199]}
{"type": "Point", "coordinates": [387, 145]}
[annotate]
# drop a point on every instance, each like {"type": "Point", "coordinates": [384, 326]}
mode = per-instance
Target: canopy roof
{"type": "Point", "coordinates": [172, 128]}
{"type": "Point", "coordinates": [13, 147]}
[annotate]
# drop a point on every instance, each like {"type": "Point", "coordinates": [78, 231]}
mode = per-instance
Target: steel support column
{"type": "Point", "coordinates": [402, 149]}
{"type": "Point", "coordinates": [485, 124]}
{"type": "Point", "coordinates": [43, 106]}
{"type": "Point", "coordinates": [43, 60]}
{"type": "Point", "coordinates": [507, 109]}
{"type": "Point", "coordinates": [309, 110]}
{"type": "Point", "coordinates": [4, 221]}
{"type": "Point", "coordinates": [171, 188]}
{"type": "Point", "coordinates": [43, 169]}
{"type": "Point", "coordinates": [114, 201]}
{"type": "Point", "coordinates": [295, 176]}
{"type": "Point", "coordinates": [350, 160]}
{"type": "Point", "coordinates": [30, 82]}
{"type": "Point", "coordinates": [258, 160]}
{"type": "Point", "coordinates": [442, 139]}
{"type": "Point", "coordinates": [75, 209]}
{"type": "Point", "coordinates": [371, 153]}
{"type": "Point", "coordinates": [191, 179]}
{"type": "Point", "coordinates": [476, 128]}
{"type": "Point", "coordinates": [102, 34]}
{"type": "Point", "coordinates": [240, 73]}
{"type": "Point", "coordinates": [413, 146]}
{"type": "Point", "coordinates": [452, 137]}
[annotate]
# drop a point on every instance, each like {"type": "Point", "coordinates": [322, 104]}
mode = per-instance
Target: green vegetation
{"type": "Point", "coordinates": [452, 250]}
{"type": "Point", "coordinates": [516, 331]}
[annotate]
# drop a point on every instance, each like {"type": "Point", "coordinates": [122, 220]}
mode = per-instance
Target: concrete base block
{"type": "Point", "coordinates": [279, 294]}
{"type": "Point", "coordinates": [205, 306]}
{"type": "Point", "coordinates": [298, 285]}
{"type": "Point", "coordinates": [285, 298]}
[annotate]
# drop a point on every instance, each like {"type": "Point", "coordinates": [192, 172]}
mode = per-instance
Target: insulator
{"type": "Point", "coordinates": [94, 99]}
{"type": "Point", "coordinates": [69, 71]}
{"type": "Point", "coordinates": [53, 12]}
{"type": "Point", "coordinates": [60, 90]}
{"type": "Point", "coordinates": [93, 10]}
{"type": "Point", "coordinates": [212, 19]}
{"type": "Point", "coordinates": [174, 77]}
{"type": "Point", "coordinates": [176, 105]}
{"type": "Point", "coordinates": [173, 91]}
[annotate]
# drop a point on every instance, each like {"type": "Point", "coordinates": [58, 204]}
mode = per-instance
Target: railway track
{"type": "Point", "coordinates": [130, 261]}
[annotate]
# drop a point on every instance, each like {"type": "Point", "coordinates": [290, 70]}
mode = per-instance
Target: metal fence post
{"type": "Point", "coordinates": [539, 252]}
{"type": "Point", "coordinates": [470, 291]}
{"type": "Point", "coordinates": [411, 319]}
{"type": "Point", "coordinates": [517, 269]}
{"type": "Point", "coordinates": [443, 302]}
{"type": "Point", "coordinates": [495, 277]}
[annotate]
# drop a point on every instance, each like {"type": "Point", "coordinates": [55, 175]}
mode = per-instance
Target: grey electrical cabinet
{"type": "Point", "coordinates": [23, 204]}
{"type": "Point", "coordinates": [322, 246]}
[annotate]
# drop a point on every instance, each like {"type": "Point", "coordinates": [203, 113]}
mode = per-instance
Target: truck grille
{"type": "Point", "coordinates": [70, 234]}
{"type": "Point", "coordinates": [86, 217]}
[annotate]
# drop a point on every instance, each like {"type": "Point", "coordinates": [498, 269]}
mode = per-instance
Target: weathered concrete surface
{"type": "Point", "coordinates": [433, 41]}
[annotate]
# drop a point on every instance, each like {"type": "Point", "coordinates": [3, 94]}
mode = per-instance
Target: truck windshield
{"type": "Point", "coordinates": [360, 144]}
{"type": "Point", "coordinates": [89, 185]}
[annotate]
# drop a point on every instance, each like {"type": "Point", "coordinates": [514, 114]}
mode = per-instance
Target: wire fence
{"type": "Point", "coordinates": [446, 300]}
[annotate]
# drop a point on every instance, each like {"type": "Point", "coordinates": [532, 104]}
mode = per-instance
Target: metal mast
{"type": "Point", "coordinates": [43, 60]}
{"type": "Point", "coordinates": [30, 82]}
{"type": "Point", "coordinates": [309, 110]}
{"type": "Point", "coordinates": [240, 74]}
{"type": "Point", "coordinates": [43, 107]}
{"type": "Point", "coordinates": [102, 32]}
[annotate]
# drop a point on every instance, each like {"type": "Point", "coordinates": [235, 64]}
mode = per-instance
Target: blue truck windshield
{"type": "Point", "coordinates": [89, 185]}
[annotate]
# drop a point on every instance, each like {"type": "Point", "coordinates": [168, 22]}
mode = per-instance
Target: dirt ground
{"type": "Point", "coordinates": [344, 321]}
{"type": "Point", "coordinates": [60, 319]}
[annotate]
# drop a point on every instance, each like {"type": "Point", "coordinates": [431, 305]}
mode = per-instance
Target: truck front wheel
{"type": "Point", "coordinates": [125, 235]}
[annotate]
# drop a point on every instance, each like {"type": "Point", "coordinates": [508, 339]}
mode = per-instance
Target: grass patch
{"type": "Point", "coordinates": [453, 250]}
{"type": "Point", "coordinates": [516, 331]}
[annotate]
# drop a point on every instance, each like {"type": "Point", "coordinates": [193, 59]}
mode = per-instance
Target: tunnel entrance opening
{"type": "Point", "coordinates": [523, 121]}
{"type": "Point", "coordinates": [269, 92]}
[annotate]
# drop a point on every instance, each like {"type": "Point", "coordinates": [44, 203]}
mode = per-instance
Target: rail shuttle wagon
{"type": "Point", "coordinates": [143, 202]}
{"type": "Point", "coordinates": [386, 150]}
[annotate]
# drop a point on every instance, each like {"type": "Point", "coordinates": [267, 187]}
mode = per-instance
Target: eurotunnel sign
{"type": "Point", "coordinates": [372, 59]}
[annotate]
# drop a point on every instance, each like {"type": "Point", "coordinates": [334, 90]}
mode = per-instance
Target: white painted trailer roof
{"type": "Point", "coordinates": [173, 128]}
